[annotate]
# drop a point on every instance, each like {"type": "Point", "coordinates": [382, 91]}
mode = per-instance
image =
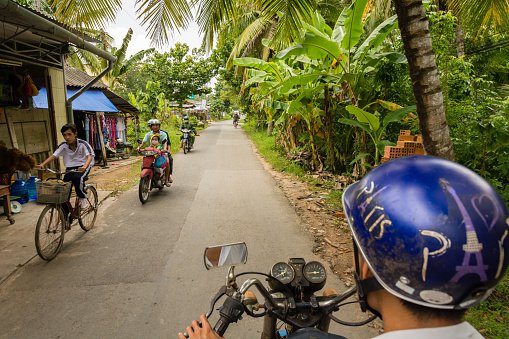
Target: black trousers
{"type": "Point", "coordinates": [77, 179]}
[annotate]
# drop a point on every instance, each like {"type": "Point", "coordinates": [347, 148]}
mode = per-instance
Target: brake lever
{"type": "Point", "coordinates": [219, 294]}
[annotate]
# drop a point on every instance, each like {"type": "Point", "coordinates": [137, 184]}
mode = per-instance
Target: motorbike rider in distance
{"type": "Point", "coordinates": [236, 117]}
{"type": "Point", "coordinates": [187, 125]}
{"type": "Point", "coordinates": [431, 239]}
{"type": "Point", "coordinates": [164, 139]}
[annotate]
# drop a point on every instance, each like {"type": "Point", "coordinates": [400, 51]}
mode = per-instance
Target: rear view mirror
{"type": "Point", "coordinates": [225, 255]}
{"type": "Point", "coordinates": [139, 141]}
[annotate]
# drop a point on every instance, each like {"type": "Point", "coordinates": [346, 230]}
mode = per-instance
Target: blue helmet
{"type": "Point", "coordinates": [433, 232]}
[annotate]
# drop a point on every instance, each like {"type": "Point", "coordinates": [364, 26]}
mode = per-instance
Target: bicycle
{"type": "Point", "coordinates": [53, 223]}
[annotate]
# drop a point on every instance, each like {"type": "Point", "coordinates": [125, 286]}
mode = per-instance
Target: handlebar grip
{"type": "Point", "coordinates": [230, 312]}
{"type": "Point", "coordinates": [222, 325]}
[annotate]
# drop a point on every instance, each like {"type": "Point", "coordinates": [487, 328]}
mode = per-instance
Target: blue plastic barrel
{"type": "Point", "coordinates": [19, 188]}
{"type": "Point", "coordinates": [32, 192]}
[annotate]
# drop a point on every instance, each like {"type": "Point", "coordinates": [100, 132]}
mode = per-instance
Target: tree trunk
{"type": "Point", "coordinates": [414, 27]}
{"type": "Point", "coordinates": [270, 127]}
{"type": "Point", "coordinates": [331, 161]}
{"type": "Point", "coordinates": [460, 40]}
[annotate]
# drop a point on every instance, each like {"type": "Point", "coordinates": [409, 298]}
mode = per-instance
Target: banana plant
{"type": "Point", "coordinates": [344, 57]}
{"type": "Point", "coordinates": [373, 125]}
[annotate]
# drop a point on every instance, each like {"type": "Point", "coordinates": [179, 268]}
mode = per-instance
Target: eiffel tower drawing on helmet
{"type": "Point", "coordinates": [472, 247]}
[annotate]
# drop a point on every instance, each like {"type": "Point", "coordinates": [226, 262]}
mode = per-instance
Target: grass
{"type": "Point", "coordinates": [275, 156]}
{"type": "Point", "coordinates": [266, 146]}
{"type": "Point", "coordinates": [491, 318]}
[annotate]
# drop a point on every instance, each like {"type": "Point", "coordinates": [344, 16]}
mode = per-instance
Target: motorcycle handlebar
{"type": "Point", "coordinates": [333, 301]}
{"type": "Point", "coordinates": [230, 312]}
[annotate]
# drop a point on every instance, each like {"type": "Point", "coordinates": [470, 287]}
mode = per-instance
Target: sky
{"type": "Point", "coordinates": [127, 18]}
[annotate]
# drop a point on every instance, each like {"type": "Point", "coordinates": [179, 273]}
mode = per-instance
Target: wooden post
{"type": "Point", "coordinates": [101, 138]}
{"type": "Point", "coordinates": [10, 128]}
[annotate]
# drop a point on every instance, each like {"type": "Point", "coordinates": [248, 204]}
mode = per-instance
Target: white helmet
{"type": "Point", "coordinates": [153, 122]}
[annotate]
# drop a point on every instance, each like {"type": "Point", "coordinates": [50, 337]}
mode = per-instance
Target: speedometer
{"type": "Point", "coordinates": [283, 272]}
{"type": "Point", "coordinates": [315, 272]}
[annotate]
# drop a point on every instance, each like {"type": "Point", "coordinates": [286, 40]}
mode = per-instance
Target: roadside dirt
{"type": "Point", "coordinates": [120, 176]}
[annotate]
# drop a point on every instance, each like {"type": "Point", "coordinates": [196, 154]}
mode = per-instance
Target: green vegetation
{"type": "Point", "coordinates": [274, 154]}
{"type": "Point", "coordinates": [492, 316]}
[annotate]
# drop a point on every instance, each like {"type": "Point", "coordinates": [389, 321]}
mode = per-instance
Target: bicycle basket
{"type": "Point", "coordinates": [52, 191]}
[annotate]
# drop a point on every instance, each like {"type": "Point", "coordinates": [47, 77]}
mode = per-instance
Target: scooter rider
{"type": "Point", "coordinates": [187, 125]}
{"type": "Point", "coordinates": [155, 128]}
{"type": "Point", "coordinates": [236, 117]}
{"type": "Point", "coordinates": [431, 239]}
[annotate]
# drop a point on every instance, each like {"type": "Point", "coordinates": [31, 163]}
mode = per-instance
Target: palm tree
{"type": "Point", "coordinates": [90, 63]}
{"type": "Point", "coordinates": [414, 25]}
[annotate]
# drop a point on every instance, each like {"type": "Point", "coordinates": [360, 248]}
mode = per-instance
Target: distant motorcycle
{"type": "Point", "coordinates": [152, 174]}
{"type": "Point", "coordinates": [185, 143]}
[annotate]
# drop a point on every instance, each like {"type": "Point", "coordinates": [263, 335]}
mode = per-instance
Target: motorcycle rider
{"type": "Point", "coordinates": [430, 240]}
{"type": "Point", "coordinates": [236, 117]}
{"type": "Point", "coordinates": [155, 128]}
{"type": "Point", "coordinates": [192, 130]}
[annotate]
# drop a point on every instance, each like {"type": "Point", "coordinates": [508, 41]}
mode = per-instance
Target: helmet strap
{"type": "Point", "coordinates": [364, 286]}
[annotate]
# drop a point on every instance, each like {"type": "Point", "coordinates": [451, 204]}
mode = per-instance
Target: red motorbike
{"type": "Point", "coordinates": [152, 172]}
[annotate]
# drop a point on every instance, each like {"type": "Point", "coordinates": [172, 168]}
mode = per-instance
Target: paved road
{"type": "Point", "coordinates": [139, 273]}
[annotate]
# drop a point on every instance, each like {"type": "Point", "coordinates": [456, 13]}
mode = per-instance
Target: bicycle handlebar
{"type": "Point", "coordinates": [56, 171]}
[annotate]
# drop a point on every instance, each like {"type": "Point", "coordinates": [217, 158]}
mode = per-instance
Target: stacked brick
{"type": "Point", "coordinates": [407, 144]}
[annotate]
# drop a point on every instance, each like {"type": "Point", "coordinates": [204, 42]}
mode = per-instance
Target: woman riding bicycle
{"type": "Point", "coordinates": [78, 155]}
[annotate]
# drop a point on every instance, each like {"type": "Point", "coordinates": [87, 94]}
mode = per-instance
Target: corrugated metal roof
{"type": "Point", "coordinates": [76, 78]}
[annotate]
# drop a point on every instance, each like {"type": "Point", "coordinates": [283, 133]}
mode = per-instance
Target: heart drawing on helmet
{"type": "Point", "coordinates": [490, 215]}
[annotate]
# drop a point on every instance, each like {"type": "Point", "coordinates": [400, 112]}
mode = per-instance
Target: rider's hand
{"type": "Point", "coordinates": [205, 331]}
{"type": "Point", "coordinates": [82, 169]}
{"type": "Point", "coordinates": [39, 166]}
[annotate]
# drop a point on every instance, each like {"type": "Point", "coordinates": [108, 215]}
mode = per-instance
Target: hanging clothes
{"type": "Point", "coordinates": [87, 128]}
{"type": "Point", "coordinates": [121, 128]}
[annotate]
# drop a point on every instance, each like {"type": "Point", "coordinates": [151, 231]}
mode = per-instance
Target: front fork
{"type": "Point", "coordinates": [269, 327]}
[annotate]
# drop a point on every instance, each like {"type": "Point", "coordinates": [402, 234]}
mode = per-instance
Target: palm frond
{"type": "Point", "coordinates": [258, 27]}
{"type": "Point", "coordinates": [290, 14]}
{"type": "Point", "coordinates": [481, 14]}
{"type": "Point", "coordinates": [163, 16]}
{"type": "Point", "coordinates": [87, 14]}
{"type": "Point", "coordinates": [211, 16]}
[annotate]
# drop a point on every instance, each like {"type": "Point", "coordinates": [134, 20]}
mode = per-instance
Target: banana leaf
{"type": "Point", "coordinates": [376, 37]}
{"type": "Point", "coordinates": [366, 117]}
{"type": "Point", "coordinates": [353, 25]}
{"type": "Point", "coordinates": [355, 123]}
{"type": "Point", "coordinates": [399, 114]}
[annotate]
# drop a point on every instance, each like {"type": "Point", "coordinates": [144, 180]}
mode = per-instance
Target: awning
{"type": "Point", "coordinates": [92, 100]}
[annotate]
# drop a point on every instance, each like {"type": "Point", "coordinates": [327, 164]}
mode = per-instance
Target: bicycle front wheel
{"type": "Point", "coordinates": [49, 232]}
{"type": "Point", "coordinates": [89, 214]}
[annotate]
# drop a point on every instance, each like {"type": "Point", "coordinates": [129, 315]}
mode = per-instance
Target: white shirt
{"type": "Point", "coordinates": [460, 331]}
{"type": "Point", "coordinates": [76, 158]}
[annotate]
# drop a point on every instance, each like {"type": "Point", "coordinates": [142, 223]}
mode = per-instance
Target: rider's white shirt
{"type": "Point", "coordinates": [460, 331]}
